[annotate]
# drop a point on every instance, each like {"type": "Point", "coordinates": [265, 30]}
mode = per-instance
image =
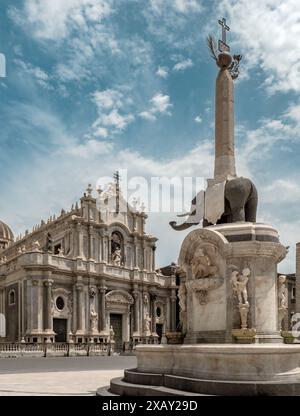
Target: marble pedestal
{"type": "Point", "coordinates": [211, 309]}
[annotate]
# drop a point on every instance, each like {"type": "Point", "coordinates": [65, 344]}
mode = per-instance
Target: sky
{"type": "Point", "coordinates": [93, 86]}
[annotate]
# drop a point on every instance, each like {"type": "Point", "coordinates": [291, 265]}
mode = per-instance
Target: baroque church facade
{"type": "Point", "coordinates": [86, 276]}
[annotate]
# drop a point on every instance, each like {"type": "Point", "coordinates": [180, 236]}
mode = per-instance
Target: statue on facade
{"type": "Point", "coordinates": [36, 246]}
{"type": "Point", "coordinates": [93, 319]}
{"type": "Point", "coordinates": [111, 334]}
{"type": "Point", "coordinates": [117, 257]}
{"type": "Point", "coordinates": [49, 244]}
{"type": "Point", "coordinates": [147, 321]}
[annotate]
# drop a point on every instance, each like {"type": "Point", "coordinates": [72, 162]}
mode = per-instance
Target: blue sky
{"type": "Point", "coordinates": [97, 85]}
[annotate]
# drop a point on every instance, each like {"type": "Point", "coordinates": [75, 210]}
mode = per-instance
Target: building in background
{"type": "Point", "coordinates": [87, 275]}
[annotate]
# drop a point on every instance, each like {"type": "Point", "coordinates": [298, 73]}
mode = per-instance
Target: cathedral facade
{"type": "Point", "coordinates": [86, 276]}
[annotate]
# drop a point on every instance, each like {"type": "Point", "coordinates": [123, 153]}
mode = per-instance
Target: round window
{"type": "Point", "coordinates": [158, 312]}
{"type": "Point", "coordinates": [60, 303]}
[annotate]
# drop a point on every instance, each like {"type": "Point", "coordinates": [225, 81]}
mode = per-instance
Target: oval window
{"type": "Point", "coordinates": [60, 303]}
{"type": "Point", "coordinates": [158, 312]}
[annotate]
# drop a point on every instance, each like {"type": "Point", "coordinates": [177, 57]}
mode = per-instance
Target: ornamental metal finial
{"type": "Point", "coordinates": [224, 51]}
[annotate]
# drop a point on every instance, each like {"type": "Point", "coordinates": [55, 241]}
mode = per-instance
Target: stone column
{"type": "Point", "coordinates": [143, 265]}
{"type": "Point", "coordinates": [37, 317]}
{"type": "Point", "coordinates": [102, 246]}
{"type": "Point", "coordinates": [143, 221]}
{"type": "Point", "coordinates": [173, 311]}
{"type": "Point", "coordinates": [48, 320]}
{"type": "Point", "coordinates": [153, 297]}
{"type": "Point", "coordinates": [79, 241]}
{"type": "Point", "coordinates": [224, 130]}
{"type": "Point", "coordinates": [74, 309]}
{"type": "Point", "coordinates": [1, 300]}
{"type": "Point", "coordinates": [80, 299]}
{"type": "Point", "coordinates": [135, 253]}
{"type": "Point", "coordinates": [29, 306]}
{"type": "Point", "coordinates": [91, 248]}
{"type": "Point", "coordinates": [102, 311]}
{"type": "Point", "coordinates": [136, 327]}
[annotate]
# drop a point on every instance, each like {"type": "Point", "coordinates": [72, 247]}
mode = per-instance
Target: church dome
{"type": "Point", "coordinates": [6, 235]}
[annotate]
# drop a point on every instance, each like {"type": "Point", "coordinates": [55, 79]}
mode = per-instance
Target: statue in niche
{"type": "Point", "coordinates": [61, 252]}
{"type": "Point", "coordinates": [117, 258]}
{"type": "Point", "coordinates": [203, 263]}
{"type": "Point", "coordinates": [93, 319]}
{"type": "Point", "coordinates": [111, 334]}
{"type": "Point", "coordinates": [116, 249]}
{"type": "Point", "coordinates": [239, 282]}
{"type": "Point", "coordinates": [147, 321]}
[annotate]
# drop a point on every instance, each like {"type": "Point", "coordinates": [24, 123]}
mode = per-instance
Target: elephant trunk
{"type": "Point", "coordinates": [180, 227]}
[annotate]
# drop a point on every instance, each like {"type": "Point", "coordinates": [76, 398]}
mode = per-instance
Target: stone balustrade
{"type": "Point", "coordinates": [92, 267]}
{"type": "Point", "coordinates": [16, 350]}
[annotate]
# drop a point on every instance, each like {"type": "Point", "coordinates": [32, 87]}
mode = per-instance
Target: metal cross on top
{"type": "Point", "coordinates": [117, 178]}
{"type": "Point", "coordinates": [223, 47]}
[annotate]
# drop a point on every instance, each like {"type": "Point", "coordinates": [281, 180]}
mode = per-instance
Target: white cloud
{"type": "Point", "coordinates": [41, 76]}
{"type": "Point", "coordinates": [160, 105]}
{"type": "Point", "coordinates": [183, 65]}
{"type": "Point", "coordinates": [198, 119]}
{"type": "Point", "coordinates": [108, 99]}
{"type": "Point", "coordinates": [55, 19]}
{"type": "Point", "coordinates": [116, 120]}
{"type": "Point", "coordinates": [266, 32]}
{"type": "Point", "coordinates": [90, 148]}
{"type": "Point", "coordinates": [147, 115]}
{"type": "Point", "coordinates": [180, 6]}
{"type": "Point", "coordinates": [162, 72]}
{"type": "Point", "coordinates": [288, 189]}
{"type": "Point", "coordinates": [110, 120]}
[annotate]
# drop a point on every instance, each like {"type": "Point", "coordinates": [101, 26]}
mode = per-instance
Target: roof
{"type": "Point", "coordinates": [5, 232]}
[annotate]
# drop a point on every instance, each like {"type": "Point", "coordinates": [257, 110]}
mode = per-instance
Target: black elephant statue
{"type": "Point", "coordinates": [240, 205]}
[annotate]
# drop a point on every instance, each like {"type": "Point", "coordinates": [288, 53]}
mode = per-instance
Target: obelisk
{"type": "Point", "coordinates": [224, 114]}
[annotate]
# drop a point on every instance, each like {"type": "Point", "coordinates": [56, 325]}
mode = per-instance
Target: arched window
{"type": "Point", "coordinates": [117, 249]}
{"type": "Point", "coordinates": [11, 297]}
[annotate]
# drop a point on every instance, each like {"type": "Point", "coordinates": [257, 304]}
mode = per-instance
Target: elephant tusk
{"type": "Point", "coordinates": [186, 214]}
